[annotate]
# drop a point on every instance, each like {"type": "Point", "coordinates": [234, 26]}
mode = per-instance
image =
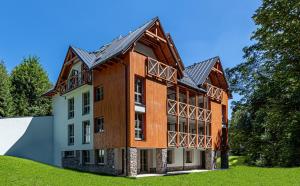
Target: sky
{"type": "Point", "coordinates": [201, 29]}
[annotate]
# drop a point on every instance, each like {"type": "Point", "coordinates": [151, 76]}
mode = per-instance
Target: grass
{"type": "Point", "coordinates": [16, 171]}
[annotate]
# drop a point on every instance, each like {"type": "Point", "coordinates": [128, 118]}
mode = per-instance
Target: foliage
{"type": "Point", "coordinates": [29, 81]}
{"type": "Point", "coordinates": [16, 171]}
{"type": "Point", "coordinates": [5, 97]}
{"type": "Point", "coordinates": [266, 121]}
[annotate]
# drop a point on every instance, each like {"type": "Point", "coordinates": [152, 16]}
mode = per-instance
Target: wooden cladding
{"type": "Point", "coordinates": [161, 70]}
{"type": "Point", "coordinates": [182, 139]}
{"type": "Point", "coordinates": [75, 81]}
{"type": "Point", "coordinates": [188, 111]}
{"type": "Point", "coordinates": [214, 92]}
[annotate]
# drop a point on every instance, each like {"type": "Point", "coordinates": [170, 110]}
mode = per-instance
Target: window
{"type": "Point", "coordinates": [86, 157]}
{"type": "Point", "coordinates": [99, 124]}
{"type": "Point", "coordinates": [71, 134]}
{"type": "Point", "coordinates": [169, 156]}
{"type": "Point", "coordinates": [70, 108]}
{"type": "Point", "coordinates": [99, 93]}
{"type": "Point", "coordinates": [189, 157]}
{"type": "Point", "coordinates": [100, 156]}
{"type": "Point", "coordinates": [139, 122]}
{"type": "Point", "coordinates": [86, 103]}
{"type": "Point", "coordinates": [139, 91]}
{"type": "Point", "coordinates": [69, 154]}
{"type": "Point", "coordinates": [86, 132]}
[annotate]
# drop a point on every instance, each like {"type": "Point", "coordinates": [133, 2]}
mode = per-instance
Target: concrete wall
{"type": "Point", "coordinates": [27, 137]}
{"type": "Point", "coordinates": [61, 122]}
{"type": "Point", "coordinates": [179, 160]}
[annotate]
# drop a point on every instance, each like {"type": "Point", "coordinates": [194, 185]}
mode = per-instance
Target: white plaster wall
{"type": "Point", "coordinates": [61, 121]}
{"type": "Point", "coordinates": [178, 158]}
{"type": "Point", "coordinates": [27, 137]}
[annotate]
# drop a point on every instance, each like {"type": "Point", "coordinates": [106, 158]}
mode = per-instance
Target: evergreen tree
{"type": "Point", "coordinates": [5, 97]}
{"type": "Point", "coordinates": [267, 118]}
{"type": "Point", "coordinates": [29, 81]}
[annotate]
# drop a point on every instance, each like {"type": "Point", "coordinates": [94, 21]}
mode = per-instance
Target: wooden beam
{"type": "Point", "coordinates": [177, 115]}
{"type": "Point", "coordinates": [187, 118]}
{"type": "Point", "coordinates": [217, 70]}
{"type": "Point", "coordinates": [155, 36]}
{"type": "Point", "coordinates": [196, 120]}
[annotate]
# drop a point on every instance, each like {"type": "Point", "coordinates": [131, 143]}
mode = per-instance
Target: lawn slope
{"type": "Point", "coordinates": [16, 171]}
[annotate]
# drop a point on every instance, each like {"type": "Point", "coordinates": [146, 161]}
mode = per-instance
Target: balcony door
{"type": "Point", "coordinates": [144, 161]}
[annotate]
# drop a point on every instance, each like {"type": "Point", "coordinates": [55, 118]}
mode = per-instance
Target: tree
{"type": "Point", "coordinates": [29, 81]}
{"type": "Point", "coordinates": [5, 97]}
{"type": "Point", "coordinates": [268, 115]}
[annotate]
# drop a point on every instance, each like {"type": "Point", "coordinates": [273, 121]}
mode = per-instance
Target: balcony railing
{"type": "Point", "coordinates": [214, 92]}
{"type": "Point", "coordinates": [75, 81]}
{"type": "Point", "coordinates": [161, 70]}
{"type": "Point", "coordinates": [203, 114]}
{"type": "Point", "coordinates": [189, 140]}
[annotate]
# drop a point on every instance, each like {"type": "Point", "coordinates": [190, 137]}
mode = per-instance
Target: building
{"type": "Point", "coordinates": [132, 107]}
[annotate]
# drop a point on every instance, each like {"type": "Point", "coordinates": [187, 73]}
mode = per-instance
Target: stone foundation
{"type": "Point", "coordinates": [161, 161]}
{"type": "Point", "coordinates": [210, 159]}
{"type": "Point", "coordinates": [132, 162]}
{"type": "Point", "coordinates": [76, 164]}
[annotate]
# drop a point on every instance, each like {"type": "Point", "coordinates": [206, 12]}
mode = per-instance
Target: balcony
{"type": "Point", "coordinates": [75, 81]}
{"type": "Point", "coordinates": [214, 92]}
{"type": "Point", "coordinates": [194, 112]}
{"type": "Point", "coordinates": [182, 139]}
{"type": "Point", "coordinates": [161, 71]}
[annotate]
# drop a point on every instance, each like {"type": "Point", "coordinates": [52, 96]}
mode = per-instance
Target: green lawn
{"type": "Point", "coordinates": [16, 171]}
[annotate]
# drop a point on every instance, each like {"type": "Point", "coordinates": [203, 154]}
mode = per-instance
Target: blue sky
{"type": "Point", "coordinates": [200, 29]}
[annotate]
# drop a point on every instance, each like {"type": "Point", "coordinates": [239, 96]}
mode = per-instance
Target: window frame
{"type": "Point", "coordinates": [99, 127]}
{"type": "Point", "coordinates": [86, 134]}
{"type": "Point", "coordinates": [71, 108]}
{"type": "Point", "coordinates": [99, 96]}
{"type": "Point", "coordinates": [72, 155]}
{"type": "Point", "coordinates": [100, 156]}
{"type": "Point", "coordinates": [86, 156]}
{"type": "Point", "coordinates": [71, 136]}
{"type": "Point", "coordinates": [170, 161]}
{"type": "Point", "coordinates": [141, 127]}
{"type": "Point", "coordinates": [139, 93]}
{"type": "Point", "coordinates": [86, 103]}
{"type": "Point", "coordinates": [190, 157]}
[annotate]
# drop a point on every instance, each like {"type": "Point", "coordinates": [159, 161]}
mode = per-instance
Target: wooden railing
{"type": "Point", "coordinates": [214, 92]}
{"type": "Point", "coordinates": [172, 138]}
{"type": "Point", "coordinates": [203, 114]}
{"type": "Point", "coordinates": [189, 140]}
{"type": "Point", "coordinates": [75, 81]}
{"type": "Point", "coordinates": [161, 70]}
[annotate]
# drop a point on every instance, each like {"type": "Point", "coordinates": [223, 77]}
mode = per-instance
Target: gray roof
{"type": "Point", "coordinates": [189, 82]}
{"type": "Point", "coordinates": [117, 46]}
{"type": "Point", "coordinates": [200, 71]}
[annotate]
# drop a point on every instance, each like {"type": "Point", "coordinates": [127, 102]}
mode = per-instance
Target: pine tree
{"type": "Point", "coordinates": [29, 81]}
{"type": "Point", "coordinates": [5, 97]}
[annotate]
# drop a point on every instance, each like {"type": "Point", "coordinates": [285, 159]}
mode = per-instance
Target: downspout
{"type": "Point", "coordinates": [126, 117]}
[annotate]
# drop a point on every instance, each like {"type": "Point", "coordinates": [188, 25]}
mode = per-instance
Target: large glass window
{"type": "Point", "coordinates": [86, 103]}
{"type": "Point", "coordinates": [100, 156]}
{"type": "Point", "coordinates": [86, 138]}
{"type": "Point", "coordinates": [99, 124]}
{"type": "Point", "coordinates": [70, 108]}
{"type": "Point", "coordinates": [139, 91]}
{"type": "Point", "coordinates": [86, 157]}
{"type": "Point", "coordinates": [139, 126]}
{"type": "Point", "coordinates": [71, 134]}
{"type": "Point", "coordinates": [189, 157]}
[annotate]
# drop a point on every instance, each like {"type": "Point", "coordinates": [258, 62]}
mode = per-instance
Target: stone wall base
{"type": "Point", "coordinates": [180, 168]}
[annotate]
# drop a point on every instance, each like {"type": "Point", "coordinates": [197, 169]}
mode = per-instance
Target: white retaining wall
{"type": "Point", "coordinates": [27, 137]}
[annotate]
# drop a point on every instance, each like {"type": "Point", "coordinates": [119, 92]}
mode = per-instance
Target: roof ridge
{"type": "Point", "coordinates": [191, 66]}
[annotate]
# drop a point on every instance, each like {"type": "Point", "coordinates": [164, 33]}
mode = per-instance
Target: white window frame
{"type": "Point", "coordinates": [100, 156]}
{"type": "Point", "coordinates": [71, 135]}
{"type": "Point", "coordinates": [139, 126]}
{"type": "Point", "coordinates": [71, 108]}
{"type": "Point", "coordinates": [139, 91]}
{"type": "Point", "coordinates": [86, 103]}
{"type": "Point", "coordinates": [86, 132]}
